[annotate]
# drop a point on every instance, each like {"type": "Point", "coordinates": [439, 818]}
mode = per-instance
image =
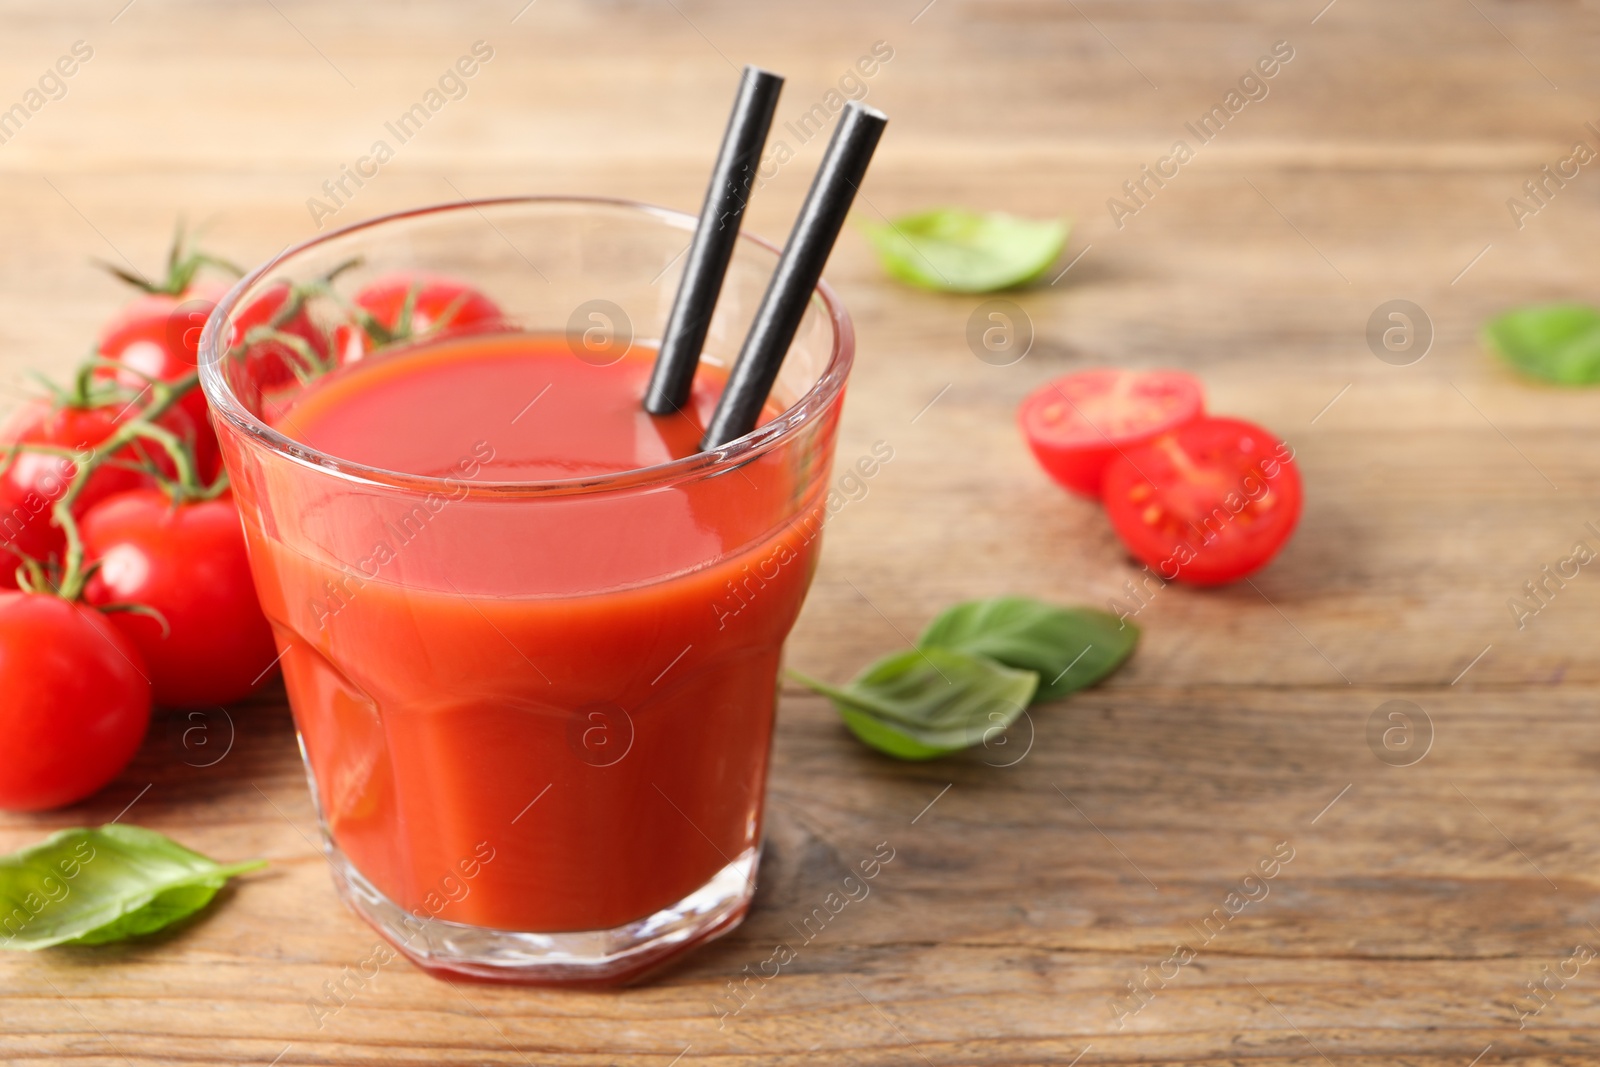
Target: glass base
{"type": "Point", "coordinates": [580, 957]}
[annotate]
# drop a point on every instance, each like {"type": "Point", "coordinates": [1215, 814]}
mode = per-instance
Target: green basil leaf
{"type": "Point", "coordinates": [90, 886]}
{"type": "Point", "coordinates": [923, 703]}
{"type": "Point", "coordinates": [1069, 648]}
{"type": "Point", "coordinates": [1557, 342]}
{"type": "Point", "coordinates": [958, 251]}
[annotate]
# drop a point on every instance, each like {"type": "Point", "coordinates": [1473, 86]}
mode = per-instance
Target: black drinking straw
{"type": "Point", "coordinates": [714, 238]}
{"type": "Point", "coordinates": [799, 268]}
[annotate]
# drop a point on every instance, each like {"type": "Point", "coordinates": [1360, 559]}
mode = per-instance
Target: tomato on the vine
{"type": "Point", "coordinates": [76, 701]}
{"type": "Point", "coordinates": [273, 361]}
{"type": "Point", "coordinates": [1207, 503]}
{"type": "Point", "coordinates": [1077, 424]}
{"type": "Point", "coordinates": [181, 316]}
{"type": "Point", "coordinates": [32, 482]}
{"type": "Point", "coordinates": [157, 336]}
{"type": "Point", "coordinates": [188, 563]}
{"type": "Point", "coordinates": [410, 305]}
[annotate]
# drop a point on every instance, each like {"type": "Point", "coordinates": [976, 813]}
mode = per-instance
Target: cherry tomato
{"type": "Point", "coordinates": [158, 336]}
{"type": "Point", "coordinates": [272, 362]}
{"type": "Point", "coordinates": [184, 314]}
{"type": "Point", "coordinates": [439, 303]}
{"type": "Point", "coordinates": [1207, 503]}
{"type": "Point", "coordinates": [187, 562]}
{"type": "Point", "coordinates": [33, 481]}
{"type": "Point", "coordinates": [1077, 424]}
{"type": "Point", "coordinates": [76, 701]}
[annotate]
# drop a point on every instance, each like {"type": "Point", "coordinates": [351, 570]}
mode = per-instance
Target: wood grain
{"type": "Point", "coordinates": [1022, 900]}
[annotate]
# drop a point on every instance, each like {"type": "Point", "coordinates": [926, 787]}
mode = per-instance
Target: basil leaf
{"type": "Point", "coordinates": [1556, 342]}
{"type": "Point", "coordinates": [923, 703]}
{"type": "Point", "coordinates": [89, 886]}
{"type": "Point", "coordinates": [958, 251]}
{"type": "Point", "coordinates": [1069, 648]}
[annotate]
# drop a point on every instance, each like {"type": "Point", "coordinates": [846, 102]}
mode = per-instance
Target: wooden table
{"type": "Point", "coordinates": [1022, 900]}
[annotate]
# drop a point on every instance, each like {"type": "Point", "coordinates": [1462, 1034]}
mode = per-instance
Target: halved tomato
{"type": "Point", "coordinates": [1076, 425]}
{"type": "Point", "coordinates": [1207, 503]}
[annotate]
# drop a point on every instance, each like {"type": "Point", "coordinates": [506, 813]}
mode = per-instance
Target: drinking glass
{"type": "Point", "coordinates": [534, 756]}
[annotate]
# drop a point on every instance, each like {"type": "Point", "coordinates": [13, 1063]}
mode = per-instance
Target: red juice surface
{"type": "Point", "coordinates": [544, 714]}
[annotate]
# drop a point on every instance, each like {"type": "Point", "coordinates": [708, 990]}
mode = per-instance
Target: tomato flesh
{"type": "Point", "coordinates": [189, 563]}
{"type": "Point", "coordinates": [1076, 425]}
{"type": "Point", "coordinates": [1207, 503]}
{"type": "Point", "coordinates": [77, 703]}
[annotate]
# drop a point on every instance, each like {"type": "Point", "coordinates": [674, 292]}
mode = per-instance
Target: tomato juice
{"type": "Point", "coordinates": [532, 708]}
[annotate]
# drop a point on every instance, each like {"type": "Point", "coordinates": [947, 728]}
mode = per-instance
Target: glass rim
{"type": "Point", "coordinates": [807, 408]}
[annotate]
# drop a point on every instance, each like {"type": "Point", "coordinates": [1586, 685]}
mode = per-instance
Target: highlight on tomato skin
{"type": "Point", "coordinates": [1077, 424]}
{"type": "Point", "coordinates": [1208, 503]}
